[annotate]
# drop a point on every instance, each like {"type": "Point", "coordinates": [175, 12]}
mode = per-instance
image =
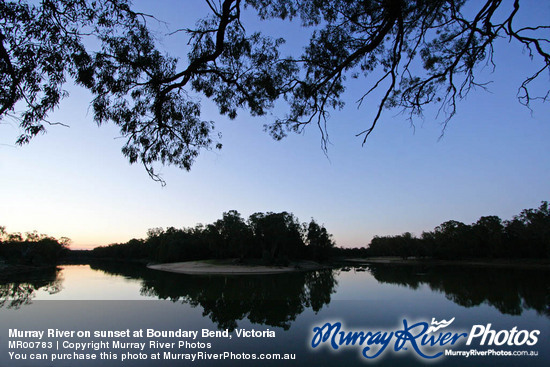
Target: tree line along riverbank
{"type": "Point", "coordinates": [280, 238]}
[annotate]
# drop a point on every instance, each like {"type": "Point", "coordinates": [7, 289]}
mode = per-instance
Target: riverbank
{"type": "Point", "coordinates": [517, 263]}
{"type": "Point", "coordinates": [8, 271]}
{"type": "Point", "coordinates": [231, 267]}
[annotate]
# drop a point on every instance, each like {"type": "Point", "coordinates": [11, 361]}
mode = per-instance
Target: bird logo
{"type": "Point", "coordinates": [439, 325]}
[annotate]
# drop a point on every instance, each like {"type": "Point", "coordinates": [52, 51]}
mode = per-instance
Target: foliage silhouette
{"type": "Point", "coordinates": [275, 238]}
{"type": "Point", "coordinates": [527, 235]}
{"type": "Point", "coordinates": [35, 249]}
{"type": "Point", "coordinates": [415, 53]}
{"type": "Point", "coordinates": [319, 241]}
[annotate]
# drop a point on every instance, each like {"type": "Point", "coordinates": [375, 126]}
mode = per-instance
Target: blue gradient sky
{"type": "Point", "coordinates": [494, 159]}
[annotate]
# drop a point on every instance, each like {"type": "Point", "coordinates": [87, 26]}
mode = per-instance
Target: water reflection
{"type": "Point", "coordinates": [272, 300]}
{"type": "Point", "coordinates": [278, 300]}
{"type": "Point", "coordinates": [509, 290]}
{"type": "Point", "coordinates": [20, 289]}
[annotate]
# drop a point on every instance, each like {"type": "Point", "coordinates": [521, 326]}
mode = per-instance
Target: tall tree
{"type": "Point", "coordinates": [278, 234]}
{"type": "Point", "coordinates": [416, 52]}
{"type": "Point", "coordinates": [319, 241]}
{"type": "Point", "coordinates": [230, 236]}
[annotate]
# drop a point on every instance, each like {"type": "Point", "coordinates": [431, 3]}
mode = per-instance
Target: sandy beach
{"type": "Point", "coordinates": [222, 268]}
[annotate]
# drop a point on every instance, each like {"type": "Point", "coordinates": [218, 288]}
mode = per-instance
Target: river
{"type": "Point", "coordinates": [239, 318]}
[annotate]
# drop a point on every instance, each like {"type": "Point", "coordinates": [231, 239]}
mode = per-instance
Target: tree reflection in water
{"type": "Point", "coordinates": [510, 290]}
{"type": "Point", "coordinates": [20, 289]}
{"type": "Point", "coordinates": [273, 300]}
{"type": "Point", "coordinates": [276, 300]}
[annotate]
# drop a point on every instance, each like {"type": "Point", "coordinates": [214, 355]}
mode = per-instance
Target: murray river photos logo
{"type": "Point", "coordinates": [426, 340]}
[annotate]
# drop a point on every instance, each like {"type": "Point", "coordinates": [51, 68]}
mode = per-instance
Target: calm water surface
{"type": "Point", "coordinates": [111, 296]}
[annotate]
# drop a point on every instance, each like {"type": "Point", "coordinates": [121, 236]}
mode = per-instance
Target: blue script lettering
{"type": "Point", "coordinates": [377, 338]}
{"type": "Point", "coordinates": [414, 335]}
{"type": "Point", "coordinates": [339, 338]}
{"type": "Point", "coordinates": [322, 336]}
{"type": "Point", "coordinates": [406, 335]}
{"type": "Point", "coordinates": [442, 339]}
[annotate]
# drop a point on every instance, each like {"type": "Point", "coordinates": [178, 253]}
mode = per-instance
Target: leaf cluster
{"type": "Point", "coordinates": [411, 53]}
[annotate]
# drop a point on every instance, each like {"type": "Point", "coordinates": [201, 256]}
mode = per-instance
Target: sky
{"type": "Point", "coordinates": [493, 159]}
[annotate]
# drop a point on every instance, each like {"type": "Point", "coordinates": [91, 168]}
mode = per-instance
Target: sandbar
{"type": "Point", "coordinates": [214, 268]}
